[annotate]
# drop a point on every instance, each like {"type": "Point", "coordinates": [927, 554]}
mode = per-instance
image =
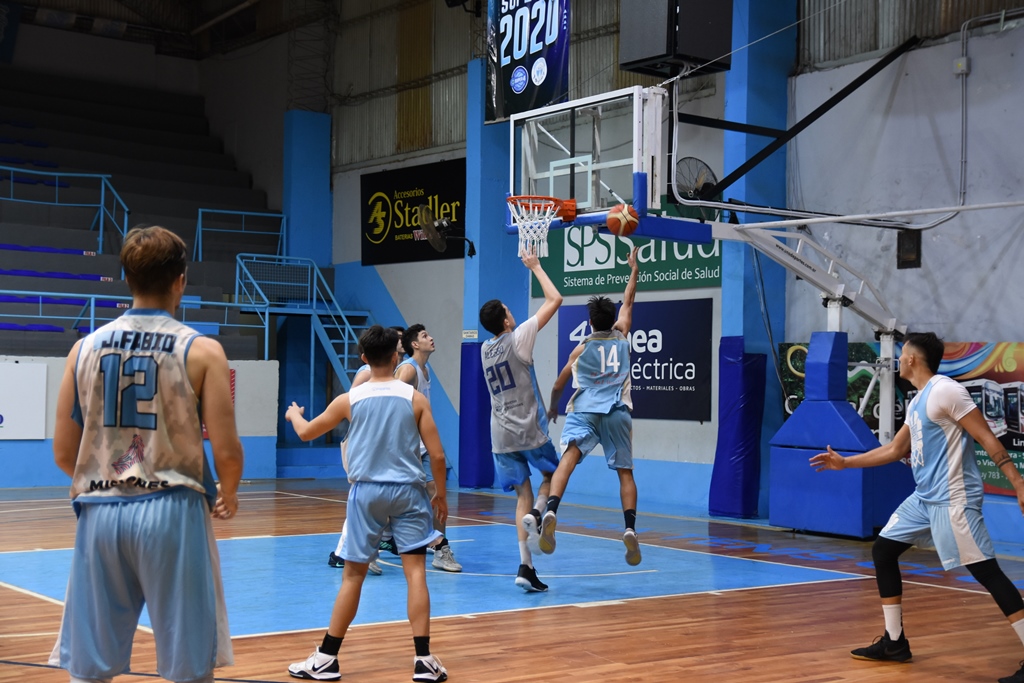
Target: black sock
{"type": "Point", "coordinates": [443, 543]}
{"type": "Point", "coordinates": [422, 644]}
{"type": "Point", "coordinates": [331, 645]}
{"type": "Point", "coordinates": [630, 517]}
{"type": "Point", "coordinates": [553, 502]}
{"type": "Point", "coordinates": [536, 513]}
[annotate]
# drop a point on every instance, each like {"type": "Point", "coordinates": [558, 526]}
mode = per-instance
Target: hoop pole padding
{"type": "Point", "coordinates": [640, 193]}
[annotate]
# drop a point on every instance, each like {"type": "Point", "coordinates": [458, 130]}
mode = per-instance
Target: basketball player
{"type": "Point", "coordinates": [334, 559]}
{"type": "Point", "coordinates": [519, 427]}
{"type": "Point", "coordinates": [419, 345]}
{"type": "Point", "coordinates": [388, 420]}
{"type": "Point", "coordinates": [128, 432]}
{"type": "Point", "coordinates": [944, 510]}
{"type": "Point", "coordinates": [599, 411]}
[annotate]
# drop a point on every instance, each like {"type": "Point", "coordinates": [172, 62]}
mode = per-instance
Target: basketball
{"type": "Point", "coordinates": [622, 220]}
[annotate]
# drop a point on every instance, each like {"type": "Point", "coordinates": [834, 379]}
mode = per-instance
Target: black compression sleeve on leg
{"type": "Point", "coordinates": [886, 554]}
{"type": "Point", "coordinates": [990, 575]}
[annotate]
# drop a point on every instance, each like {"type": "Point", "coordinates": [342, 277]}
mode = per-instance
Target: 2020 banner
{"type": "Point", "coordinates": [528, 55]}
{"type": "Point", "coordinates": [670, 357]}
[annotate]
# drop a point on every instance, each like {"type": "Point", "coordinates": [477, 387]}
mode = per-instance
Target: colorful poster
{"type": "Point", "coordinates": [670, 357]}
{"type": "Point", "coordinates": [582, 261]}
{"type": "Point", "coordinates": [993, 374]}
{"type": "Point", "coordinates": [528, 55]}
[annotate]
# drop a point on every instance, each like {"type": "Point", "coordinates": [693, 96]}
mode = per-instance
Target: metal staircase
{"type": "Point", "coordinates": [288, 285]}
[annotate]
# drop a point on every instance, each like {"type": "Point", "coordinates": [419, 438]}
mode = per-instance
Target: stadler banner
{"type": "Point", "coordinates": [670, 357]}
{"type": "Point", "coordinates": [992, 373]}
{"type": "Point", "coordinates": [392, 203]}
{"type": "Point", "coordinates": [581, 261]}
{"type": "Point", "coordinates": [527, 55]}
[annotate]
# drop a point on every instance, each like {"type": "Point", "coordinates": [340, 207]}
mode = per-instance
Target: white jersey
{"type": "Point", "coordinates": [518, 422]}
{"type": "Point", "coordinates": [383, 440]}
{"type": "Point", "coordinates": [141, 431]}
{"type": "Point", "coordinates": [941, 451]}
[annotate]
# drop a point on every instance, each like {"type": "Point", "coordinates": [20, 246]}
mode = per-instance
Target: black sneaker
{"type": "Point", "coordinates": [429, 670]}
{"type": "Point", "coordinates": [885, 649]}
{"type": "Point", "coordinates": [1015, 678]}
{"type": "Point", "coordinates": [389, 545]}
{"type": "Point", "coordinates": [528, 581]}
{"type": "Point", "coordinates": [335, 561]}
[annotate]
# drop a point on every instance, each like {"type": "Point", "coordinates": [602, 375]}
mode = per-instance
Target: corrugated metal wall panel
{"type": "Point", "coordinates": [832, 32]}
{"type": "Point", "coordinates": [448, 101]}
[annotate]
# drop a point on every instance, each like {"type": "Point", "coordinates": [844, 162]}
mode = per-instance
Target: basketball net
{"type": "Point", "coordinates": [532, 216]}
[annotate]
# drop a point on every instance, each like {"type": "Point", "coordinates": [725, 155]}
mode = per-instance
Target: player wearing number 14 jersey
{"type": "Point", "coordinates": [599, 410]}
{"type": "Point", "coordinates": [519, 429]}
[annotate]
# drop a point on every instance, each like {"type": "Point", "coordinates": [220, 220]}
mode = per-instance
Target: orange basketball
{"type": "Point", "coordinates": [622, 220]}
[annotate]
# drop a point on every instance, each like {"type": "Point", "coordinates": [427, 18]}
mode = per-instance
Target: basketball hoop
{"type": "Point", "coordinates": [532, 215]}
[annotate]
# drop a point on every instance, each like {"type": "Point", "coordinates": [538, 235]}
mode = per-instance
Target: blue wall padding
{"type": "Point", "coordinates": [848, 502]}
{"type": "Point", "coordinates": [476, 465]}
{"type": "Point", "coordinates": [306, 186]}
{"type": "Point", "coordinates": [679, 229]}
{"type": "Point", "coordinates": [736, 475]}
{"type": "Point", "coordinates": [826, 367]}
{"type": "Point", "coordinates": [816, 424]}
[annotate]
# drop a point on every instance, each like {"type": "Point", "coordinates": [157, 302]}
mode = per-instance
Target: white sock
{"type": "Point", "coordinates": [1018, 626]}
{"type": "Point", "coordinates": [893, 620]}
{"type": "Point", "coordinates": [524, 554]}
{"type": "Point", "coordinates": [540, 504]}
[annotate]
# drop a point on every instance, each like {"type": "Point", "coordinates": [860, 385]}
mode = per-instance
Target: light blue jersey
{"type": "Point", "coordinates": [384, 438]}
{"type": "Point", "coordinates": [422, 378]}
{"type": "Point", "coordinates": [601, 374]}
{"type": "Point", "coordinates": [941, 451]}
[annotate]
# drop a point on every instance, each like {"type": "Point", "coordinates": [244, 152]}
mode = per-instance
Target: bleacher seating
{"type": "Point", "coordinates": [165, 166]}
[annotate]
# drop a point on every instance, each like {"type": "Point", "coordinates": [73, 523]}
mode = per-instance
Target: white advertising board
{"type": "Point", "coordinates": [22, 401]}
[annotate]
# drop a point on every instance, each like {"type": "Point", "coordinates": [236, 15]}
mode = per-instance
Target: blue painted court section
{"type": "Point", "coordinates": [283, 583]}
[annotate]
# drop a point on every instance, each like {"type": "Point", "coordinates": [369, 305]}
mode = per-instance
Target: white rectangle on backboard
{"type": "Point", "coordinates": [22, 401]}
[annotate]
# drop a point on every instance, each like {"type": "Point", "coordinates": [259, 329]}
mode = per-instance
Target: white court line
{"type": "Point", "coordinates": [398, 565]}
{"type": "Point", "coordinates": [28, 635]}
{"type": "Point", "coordinates": [952, 588]}
{"type": "Point", "coordinates": [67, 506]}
{"type": "Point", "coordinates": [32, 594]}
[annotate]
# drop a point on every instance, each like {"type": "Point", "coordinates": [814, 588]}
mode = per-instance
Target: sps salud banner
{"type": "Point", "coordinates": [392, 203]}
{"type": "Point", "coordinates": [581, 261]}
{"type": "Point", "coordinates": [527, 55]}
{"type": "Point", "coordinates": [670, 357]}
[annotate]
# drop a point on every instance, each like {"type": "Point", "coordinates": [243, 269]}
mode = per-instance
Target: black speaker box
{"type": "Point", "coordinates": [663, 37]}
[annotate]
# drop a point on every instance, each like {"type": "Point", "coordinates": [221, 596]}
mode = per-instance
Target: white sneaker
{"type": "Point", "coordinates": [317, 667]}
{"type": "Point", "coordinates": [531, 525]}
{"type": "Point", "coordinates": [444, 559]}
{"type": "Point", "coordinates": [548, 524]}
{"type": "Point", "coordinates": [374, 568]}
{"type": "Point", "coordinates": [429, 669]}
{"type": "Point", "coordinates": [632, 543]}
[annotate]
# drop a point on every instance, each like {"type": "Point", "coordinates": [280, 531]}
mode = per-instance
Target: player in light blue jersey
{"type": "Point", "coordinates": [599, 410]}
{"type": "Point", "coordinates": [334, 559]}
{"type": "Point", "coordinates": [944, 510]}
{"type": "Point", "coordinates": [128, 431]}
{"type": "Point", "coordinates": [414, 371]}
{"type": "Point", "coordinates": [388, 420]}
{"type": "Point", "coordinates": [519, 427]}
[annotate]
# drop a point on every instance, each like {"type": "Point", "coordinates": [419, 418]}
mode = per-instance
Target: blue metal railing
{"type": "Point", "coordinates": [289, 282]}
{"type": "Point", "coordinates": [91, 315]}
{"type": "Point", "coordinates": [110, 208]}
{"type": "Point", "coordinates": [281, 232]}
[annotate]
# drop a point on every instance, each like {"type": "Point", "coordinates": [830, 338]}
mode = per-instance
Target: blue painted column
{"type": "Point", "coordinates": [756, 92]}
{"type": "Point", "coordinates": [307, 186]}
{"type": "Point", "coordinates": [495, 273]}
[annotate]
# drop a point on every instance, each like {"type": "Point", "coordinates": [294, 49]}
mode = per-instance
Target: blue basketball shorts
{"type": "Point", "coordinates": [613, 431]}
{"type": "Point", "coordinates": [956, 532]}
{"type": "Point", "coordinates": [371, 506]}
{"type": "Point", "coordinates": [513, 468]}
{"type": "Point", "coordinates": [159, 552]}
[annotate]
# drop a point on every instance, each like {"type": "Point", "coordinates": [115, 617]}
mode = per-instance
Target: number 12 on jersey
{"type": "Point", "coordinates": [126, 413]}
